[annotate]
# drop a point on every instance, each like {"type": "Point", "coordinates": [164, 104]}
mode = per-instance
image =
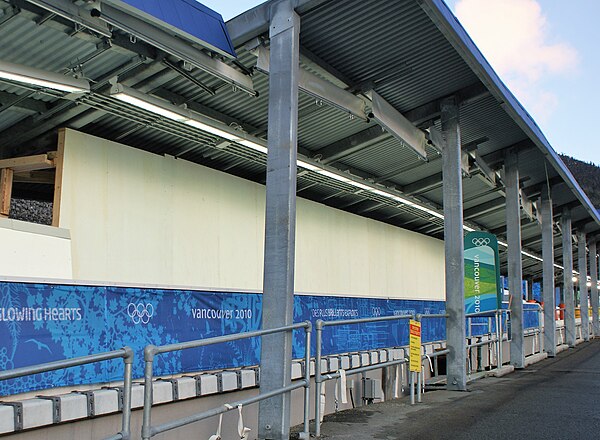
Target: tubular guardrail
{"type": "Point", "coordinates": [421, 374]}
{"type": "Point", "coordinates": [319, 378]}
{"type": "Point", "coordinates": [149, 431]}
{"type": "Point", "coordinates": [125, 353]}
{"type": "Point", "coordinates": [498, 339]}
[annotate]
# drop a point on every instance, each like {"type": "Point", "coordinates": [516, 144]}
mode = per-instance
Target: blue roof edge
{"type": "Point", "coordinates": [448, 24]}
{"type": "Point", "coordinates": [228, 51]}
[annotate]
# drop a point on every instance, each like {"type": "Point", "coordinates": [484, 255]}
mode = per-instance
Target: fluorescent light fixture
{"type": "Point", "coordinates": [149, 103]}
{"type": "Point", "coordinates": [210, 129]}
{"type": "Point", "coordinates": [307, 165]}
{"type": "Point", "coordinates": [588, 284]}
{"type": "Point", "coordinates": [169, 111]}
{"type": "Point", "coordinates": [253, 145]}
{"type": "Point", "coordinates": [334, 176]}
{"type": "Point", "coordinates": [42, 78]}
{"type": "Point", "coordinates": [574, 279]}
{"type": "Point", "coordinates": [150, 107]}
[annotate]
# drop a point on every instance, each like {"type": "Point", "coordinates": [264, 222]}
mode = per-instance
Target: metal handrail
{"type": "Point", "coordinates": [125, 353]}
{"type": "Point", "coordinates": [319, 378]}
{"type": "Point", "coordinates": [149, 431]}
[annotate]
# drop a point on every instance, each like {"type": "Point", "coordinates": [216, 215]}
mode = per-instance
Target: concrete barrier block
{"type": "Point", "coordinates": [247, 379]}
{"type": "Point", "coordinates": [345, 361]}
{"type": "Point", "coordinates": [383, 355]}
{"type": "Point", "coordinates": [162, 392]}
{"type": "Point", "coordinates": [227, 381]}
{"type": "Point", "coordinates": [105, 401]}
{"type": "Point", "coordinates": [324, 365]}
{"type": "Point", "coordinates": [137, 395]}
{"type": "Point", "coordinates": [37, 412]}
{"type": "Point", "coordinates": [334, 363]}
{"type": "Point", "coordinates": [365, 359]}
{"type": "Point", "coordinates": [355, 360]}
{"type": "Point", "coordinates": [296, 370]}
{"type": "Point", "coordinates": [312, 367]}
{"type": "Point", "coordinates": [374, 357]}
{"type": "Point", "coordinates": [396, 353]}
{"type": "Point", "coordinates": [186, 387]}
{"type": "Point", "coordinates": [7, 419]}
{"type": "Point", "coordinates": [73, 406]}
{"type": "Point", "coordinates": [207, 384]}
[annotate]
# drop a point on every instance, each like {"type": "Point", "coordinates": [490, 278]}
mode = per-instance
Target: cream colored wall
{"type": "Point", "coordinates": [137, 217]}
{"type": "Point", "coordinates": [28, 250]}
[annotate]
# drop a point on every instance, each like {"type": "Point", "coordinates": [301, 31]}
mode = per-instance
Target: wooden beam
{"type": "Point", "coordinates": [30, 163]}
{"type": "Point", "coordinates": [59, 162]}
{"type": "Point", "coordinates": [41, 177]}
{"type": "Point", "coordinates": [6, 181]}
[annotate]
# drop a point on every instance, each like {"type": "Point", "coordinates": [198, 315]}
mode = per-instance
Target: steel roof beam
{"type": "Point", "coordinates": [319, 88]}
{"type": "Point", "coordinates": [21, 102]}
{"type": "Point", "coordinates": [69, 10]}
{"type": "Point", "coordinates": [352, 144]}
{"type": "Point", "coordinates": [431, 110]}
{"type": "Point", "coordinates": [175, 46]}
{"type": "Point", "coordinates": [484, 208]}
{"type": "Point", "coordinates": [255, 22]}
{"type": "Point", "coordinates": [426, 184]}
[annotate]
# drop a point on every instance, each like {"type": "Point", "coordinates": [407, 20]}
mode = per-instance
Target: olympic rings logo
{"type": "Point", "coordinates": [140, 313]}
{"type": "Point", "coordinates": [480, 241]}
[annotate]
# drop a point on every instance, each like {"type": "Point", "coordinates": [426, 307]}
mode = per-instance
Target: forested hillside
{"type": "Point", "coordinates": [588, 176]}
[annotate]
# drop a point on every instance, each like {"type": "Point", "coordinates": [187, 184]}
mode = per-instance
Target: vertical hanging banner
{"type": "Point", "coordinates": [415, 345]}
{"type": "Point", "coordinates": [483, 291]}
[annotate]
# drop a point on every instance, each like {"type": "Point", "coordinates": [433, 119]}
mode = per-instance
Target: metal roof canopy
{"type": "Point", "coordinates": [411, 53]}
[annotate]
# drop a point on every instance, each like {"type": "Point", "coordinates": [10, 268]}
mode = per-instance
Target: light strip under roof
{"type": "Point", "coordinates": [42, 78]}
{"type": "Point", "coordinates": [170, 111]}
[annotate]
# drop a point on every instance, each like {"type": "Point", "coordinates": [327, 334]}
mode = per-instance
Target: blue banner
{"type": "Point", "coordinates": [42, 322]}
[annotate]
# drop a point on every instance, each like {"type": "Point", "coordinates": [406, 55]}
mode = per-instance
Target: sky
{"type": "Point", "coordinates": [546, 52]}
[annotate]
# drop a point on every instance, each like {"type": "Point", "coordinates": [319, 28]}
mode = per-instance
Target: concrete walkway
{"type": "Point", "coordinates": [557, 398]}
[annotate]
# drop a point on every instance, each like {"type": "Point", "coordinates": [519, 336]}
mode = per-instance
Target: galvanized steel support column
{"type": "Point", "coordinates": [583, 288]}
{"type": "Point", "coordinates": [568, 293]}
{"type": "Point", "coordinates": [454, 247]}
{"type": "Point", "coordinates": [549, 288]}
{"type": "Point", "coordinates": [594, 289]}
{"type": "Point", "coordinates": [280, 220]}
{"type": "Point", "coordinates": [515, 268]}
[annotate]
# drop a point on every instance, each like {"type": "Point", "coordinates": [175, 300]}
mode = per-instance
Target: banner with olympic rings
{"type": "Point", "coordinates": [483, 291]}
{"type": "Point", "coordinates": [47, 322]}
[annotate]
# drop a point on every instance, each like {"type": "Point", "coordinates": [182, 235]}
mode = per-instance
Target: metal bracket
{"type": "Point", "coordinates": [283, 17]}
{"type": "Point", "coordinates": [18, 410]}
{"type": "Point", "coordinates": [56, 416]}
{"type": "Point", "coordinates": [175, 385]}
{"type": "Point", "coordinates": [198, 380]}
{"type": "Point", "coordinates": [90, 402]}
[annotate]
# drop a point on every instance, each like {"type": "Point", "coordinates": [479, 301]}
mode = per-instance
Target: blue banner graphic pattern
{"type": "Point", "coordinates": [41, 323]}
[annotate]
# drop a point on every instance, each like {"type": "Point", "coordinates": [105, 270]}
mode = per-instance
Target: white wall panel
{"type": "Point", "coordinates": [28, 250]}
{"type": "Point", "coordinates": [136, 217]}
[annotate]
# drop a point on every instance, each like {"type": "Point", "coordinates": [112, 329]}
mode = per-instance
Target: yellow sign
{"type": "Point", "coordinates": [415, 345]}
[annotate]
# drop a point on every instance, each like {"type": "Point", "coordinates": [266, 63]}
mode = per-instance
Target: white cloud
{"type": "Point", "coordinates": [515, 37]}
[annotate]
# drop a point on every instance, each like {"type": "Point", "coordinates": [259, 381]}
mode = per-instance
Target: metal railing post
{"type": "Point", "coordinates": [318, 378]}
{"type": "Point", "coordinates": [499, 338]}
{"type": "Point", "coordinates": [149, 353]}
{"type": "Point", "coordinates": [305, 435]}
{"type": "Point", "coordinates": [127, 379]}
